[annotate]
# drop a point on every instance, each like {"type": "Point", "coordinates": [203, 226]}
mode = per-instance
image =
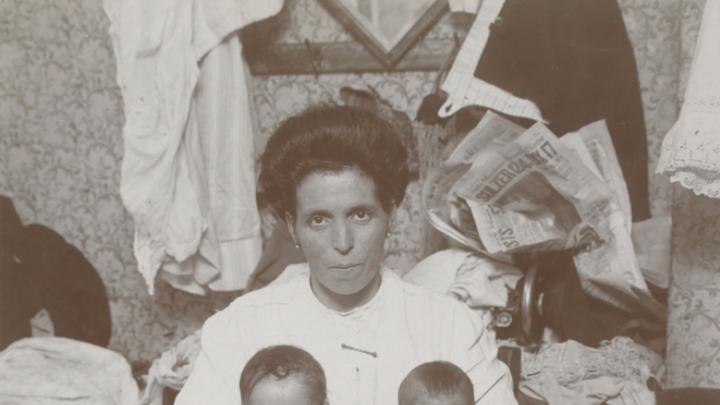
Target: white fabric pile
{"type": "Point", "coordinates": [616, 373]}
{"type": "Point", "coordinates": [60, 371]}
{"type": "Point", "coordinates": [476, 280]}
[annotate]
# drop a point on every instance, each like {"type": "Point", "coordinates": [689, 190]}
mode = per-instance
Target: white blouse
{"type": "Point", "coordinates": [365, 352]}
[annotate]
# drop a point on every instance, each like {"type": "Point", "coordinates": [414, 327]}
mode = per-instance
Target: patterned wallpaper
{"type": "Point", "coordinates": [60, 152]}
{"type": "Point", "coordinates": [61, 147]}
{"type": "Point", "coordinates": [693, 349]}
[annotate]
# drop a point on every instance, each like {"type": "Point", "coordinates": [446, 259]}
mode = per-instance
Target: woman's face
{"type": "Point", "coordinates": [341, 226]}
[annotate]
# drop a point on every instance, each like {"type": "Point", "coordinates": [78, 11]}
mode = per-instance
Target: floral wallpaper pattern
{"type": "Point", "coordinates": [693, 348]}
{"type": "Point", "coordinates": [61, 148]}
{"type": "Point", "coordinates": [60, 152]}
{"type": "Point", "coordinates": [654, 28]}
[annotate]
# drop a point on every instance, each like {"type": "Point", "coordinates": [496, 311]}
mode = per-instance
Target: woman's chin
{"type": "Point", "coordinates": [345, 290]}
{"type": "Point", "coordinates": [348, 287]}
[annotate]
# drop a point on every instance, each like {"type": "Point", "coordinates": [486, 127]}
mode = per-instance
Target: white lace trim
{"type": "Point", "coordinates": [699, 184]}
{"type": "Point", "coordinates": [691, 149]}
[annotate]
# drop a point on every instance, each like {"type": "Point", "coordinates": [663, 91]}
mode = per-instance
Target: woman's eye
{"type": "Point", "coordinates": [361, 216]}
{"type": "Point", "coordinates": [318, 221]}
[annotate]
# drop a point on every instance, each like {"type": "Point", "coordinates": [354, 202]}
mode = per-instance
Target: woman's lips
{"type": "Point", "coordinates": [350, 266]}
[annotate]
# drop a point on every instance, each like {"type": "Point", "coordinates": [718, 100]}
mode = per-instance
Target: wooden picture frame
{"type": "Point", "coordinates": [363, 53]}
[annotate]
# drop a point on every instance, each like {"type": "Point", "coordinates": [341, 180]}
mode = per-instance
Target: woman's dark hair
{"type": "Point", "coordinates": [330, 139]}
{"type": "Point", "coordinates": [280, 362]}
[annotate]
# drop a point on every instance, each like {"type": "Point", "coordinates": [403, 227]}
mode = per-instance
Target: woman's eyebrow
{"type": "Point", "coordinates": [322, 212]}
{"type": "Point", "coordinates": [359, 207]}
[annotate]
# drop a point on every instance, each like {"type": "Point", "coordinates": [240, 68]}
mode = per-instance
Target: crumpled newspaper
{"type": "Point", "coordinates": [506, 189]}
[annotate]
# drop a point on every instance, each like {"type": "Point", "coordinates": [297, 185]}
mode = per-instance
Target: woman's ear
{"type": "Point", "coordinates": [290, 223]}
{"type": "Point", "coordinates": [391, 218]}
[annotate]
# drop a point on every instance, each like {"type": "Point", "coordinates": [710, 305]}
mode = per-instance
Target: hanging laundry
{"type": "Point", "coordinates": [566, 62]}
{"type": "Point", "coordinates": [465, 89]}
{"type": "Point", "coordinates": [691, 149]}
{"type": "Point", "coordinates": [188, 168]}
{"type": "Point", "coordinates": [464, 6]}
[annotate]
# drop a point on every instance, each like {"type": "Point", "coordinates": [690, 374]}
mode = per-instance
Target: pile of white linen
{"type": "Point", "coordinates": [55, 370]}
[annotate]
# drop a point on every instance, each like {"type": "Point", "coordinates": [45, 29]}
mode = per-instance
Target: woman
{"type": "Point", "coordinates": [336, 174]}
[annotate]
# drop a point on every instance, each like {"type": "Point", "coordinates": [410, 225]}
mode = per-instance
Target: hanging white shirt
{"type": "Point", "coordinates": [365, 352]}
{"type": "Point", "coordinates": [187, 173]}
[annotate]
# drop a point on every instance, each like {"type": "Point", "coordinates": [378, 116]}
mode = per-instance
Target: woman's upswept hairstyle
{"type": "Point", "coordinates": [281, 362]}
{"type": "Point", "coordinates": [330, 139]}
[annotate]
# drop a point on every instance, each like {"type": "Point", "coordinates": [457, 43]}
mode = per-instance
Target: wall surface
{"type": "Point", "coordinates": [60, 152]}
{"type": "Point", "coordinates": [61, 148]}
{"type": "Point", "coordinates": [693, 349]}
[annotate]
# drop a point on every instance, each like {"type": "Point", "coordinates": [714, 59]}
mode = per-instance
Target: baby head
{"type": "Point", "coordinates": [282, 375]}
{"type": "Point", "coordinates": [436, 383]}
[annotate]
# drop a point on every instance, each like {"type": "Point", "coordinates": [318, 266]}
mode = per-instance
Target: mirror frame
{"type": "Point", "coordinates": [363, 35]}
{"type": "Point", "coordinates": [362, 54]}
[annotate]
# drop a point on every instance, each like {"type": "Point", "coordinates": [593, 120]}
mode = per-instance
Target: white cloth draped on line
{"type": "Point", "coordinates": [461, 85]}
{"type": "Point", "coordinates": [691, 149]}
{"type": "Point", "coordinates": [188, 168]}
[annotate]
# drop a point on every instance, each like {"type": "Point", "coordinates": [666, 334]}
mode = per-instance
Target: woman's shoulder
{"type": "Point", "coordinates": [281, 293]}
{"type": "Point", "coordinates": [416, 296]}
{"type": "Point", "coordinates": [428, 313]}
{"type": "Point", "coordinates": [262, 303]}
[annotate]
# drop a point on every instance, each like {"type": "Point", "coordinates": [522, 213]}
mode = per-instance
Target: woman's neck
{"type": "Point", "coordinates": [345, 303]}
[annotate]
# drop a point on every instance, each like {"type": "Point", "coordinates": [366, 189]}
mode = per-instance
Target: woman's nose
{"type": "Point", "coordinates": [343, 238]}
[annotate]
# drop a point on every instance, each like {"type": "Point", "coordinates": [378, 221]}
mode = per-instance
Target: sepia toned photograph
{"type": "Point", "coordinates": [359, 202]}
